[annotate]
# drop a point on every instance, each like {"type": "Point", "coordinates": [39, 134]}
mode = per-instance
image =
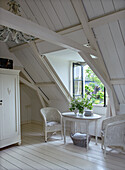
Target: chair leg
{"type": "Point", "coordinates": [61, 134]}
{"type": "Point", "coordinates": [102, 144]}
{"type": "Point", "coordinates": [45, 136]}
{"type": "Point", "coordinates": [104, 151]}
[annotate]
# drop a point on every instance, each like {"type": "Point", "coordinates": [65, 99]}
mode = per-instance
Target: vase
{"type": "Point", "coordinates": [81, 113]}
{"type": "Point", "coordinates": [75, 111]}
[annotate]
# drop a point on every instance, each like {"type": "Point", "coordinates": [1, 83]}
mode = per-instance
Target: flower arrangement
{"type": "Point", "coordinates": [80, 104]}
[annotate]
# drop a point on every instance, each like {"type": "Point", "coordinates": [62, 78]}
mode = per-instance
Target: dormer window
{"type": "Point", "coordinates": [86, 82]}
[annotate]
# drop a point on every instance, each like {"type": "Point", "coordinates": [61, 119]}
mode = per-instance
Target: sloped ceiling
{"type": "Point", "coordinates": [38, 72]}
{"type": "Point", "coordinates": [55, 15]}
{"type": "Point", "coordinates": [60, 16]}
{"type": "Point", "coordinates": [111, 39]}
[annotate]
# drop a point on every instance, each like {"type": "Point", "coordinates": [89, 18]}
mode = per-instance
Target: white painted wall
{"type": "Point", "coordinates": [25, 105]}
{"type": "Point", "coordinates": [30, 106]}
{"type": "Point", "coordinates": [61, 62]}
{"type": "Point", "coordinates": [35, 107]}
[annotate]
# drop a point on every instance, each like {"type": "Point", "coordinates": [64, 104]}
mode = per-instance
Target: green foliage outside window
{"type": "Point", "coordinates": [95, 89]}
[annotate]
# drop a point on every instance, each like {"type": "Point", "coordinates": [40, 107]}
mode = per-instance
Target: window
{"type": "Point", "coordinates": [86, 82]}
{"type": "Point", "coordinates": [77, 80]}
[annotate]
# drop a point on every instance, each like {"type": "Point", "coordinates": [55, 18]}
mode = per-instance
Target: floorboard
{"type": "Point", "coordinates": [34, 153]}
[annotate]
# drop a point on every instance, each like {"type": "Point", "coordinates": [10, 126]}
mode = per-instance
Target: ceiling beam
{"type": "Point", "coordinates": [118, 81]}
{"type": "Point", "coordinates": [41, 84]}
{"type": "Point", "coordinates": [13, 21]}
{"type": "Point", "coordinates": [78, 6]}
{"type": "Point", "coordinates": [24, 81]}
{"type": "Point", "coordinates": [107, 18]}
{"type": "Point", "coordinates": [37, 40]}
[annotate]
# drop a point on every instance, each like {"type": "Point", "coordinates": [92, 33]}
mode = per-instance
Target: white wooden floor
{"type": "Point", "coordinates": [35, 154]}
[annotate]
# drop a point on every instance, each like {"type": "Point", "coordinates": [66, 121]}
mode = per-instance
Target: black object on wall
{"type": "Point", "coordinates": [6, 63]}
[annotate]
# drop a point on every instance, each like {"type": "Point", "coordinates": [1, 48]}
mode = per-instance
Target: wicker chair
{"type": "Point", "coordinates": [113, 132]}
{"type": "Point", "coordinates": [52, 120]}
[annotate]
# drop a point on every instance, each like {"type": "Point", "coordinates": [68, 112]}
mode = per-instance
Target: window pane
{"type": "Point", "coordinates": [94, 87]}
{"type": "Point", "coordinates": [77, 72]}
{"type": "Point", "coordinates": [78, 87]}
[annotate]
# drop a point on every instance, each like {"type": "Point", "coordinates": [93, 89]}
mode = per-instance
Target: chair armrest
{"type": "Point", "coordinates": [110, 125]}
{"type": "Point", "coordinates": [116, 123]}
{"type": "Point", "coordinates": [112, 120]}
{"type": "Point", "coordinates": [44, 118]}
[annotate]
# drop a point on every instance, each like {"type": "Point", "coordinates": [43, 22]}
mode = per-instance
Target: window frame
{"type": "Point", "coordinates": [78, 79]}
{"type": "Point", "coordinates": [82, 95]}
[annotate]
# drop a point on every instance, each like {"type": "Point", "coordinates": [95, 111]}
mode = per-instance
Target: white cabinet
{"type": "Point", "coordinates": [9, 107]}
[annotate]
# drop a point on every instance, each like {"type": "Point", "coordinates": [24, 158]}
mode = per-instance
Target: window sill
{"type": "Point", "coordinates": [99, 105]}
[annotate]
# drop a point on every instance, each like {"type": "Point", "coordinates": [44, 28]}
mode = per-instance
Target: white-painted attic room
{"type": "Point", "coordinates": [62, 84]}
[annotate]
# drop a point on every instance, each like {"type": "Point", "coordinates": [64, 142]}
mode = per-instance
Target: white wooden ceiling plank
{"type": "Point", "coordinates": [97, 7]}
{"type": "Point", "coordinates": [23, 58]}
{"type": "Point", "coordinates": [35, 11]}
{"type": "Point", "coordinates": [70, 12]}
{"type": "Point", "coordinates": [78, 36]}
{"type": "Point", "coordinates": [46, 47]}
{"type": "Point", "coordinates": [23, 14]}
{"type": "Point", "coordinates": [119, 44]}
{"type": "Point", "coordinates": [61, 13]}
{"type": "Point", "coordinates": [119, 94]}
{"type": "Point", "coordinates": [27, 61]}
{"type": "Point", "coordinates": [52, 14]}
{"type": "Point", "coordinates": [107, 6]}
{"type": "Point", "coordinates": [111, 58]}
{"type": "Point", "coordinates": [50, 92]}
{"type": "Point", "coordinates": [27, 11]}
{"type": "Point", "coordinates": [36, 66]}
{"type": "Point", "coordinates": [41, 69]}
{"type": "Point", "coordinates": [45, 14]}
{"type": "Point", "coordinates": [119, 4]}
{"type": "Point", "coordinates": [122, 28]}
{"type": "Point", "coordinates": [53, 93]}
{"type": "Point", "coordinates": [88, 8]}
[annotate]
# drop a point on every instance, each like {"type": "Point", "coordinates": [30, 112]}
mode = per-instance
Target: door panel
{"type": "Point", "coordinates": [9, 107]}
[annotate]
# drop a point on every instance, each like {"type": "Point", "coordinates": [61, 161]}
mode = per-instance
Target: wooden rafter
{"type": "Point", "coordinates": [41, 84]}
{"type": "Point", "coordinates": [118, 81]}
{"type": "Point", "coordinates": [97, 66]}
{"type": "Point", "coordinates": [37, 40]}
{"type": "Point", "coordinates": [24, 25]}
{"type": "Point", "coordinates": [107, 18]}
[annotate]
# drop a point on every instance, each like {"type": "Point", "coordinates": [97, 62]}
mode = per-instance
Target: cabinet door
{"type": "Point", "coordinates": [9, 111]}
